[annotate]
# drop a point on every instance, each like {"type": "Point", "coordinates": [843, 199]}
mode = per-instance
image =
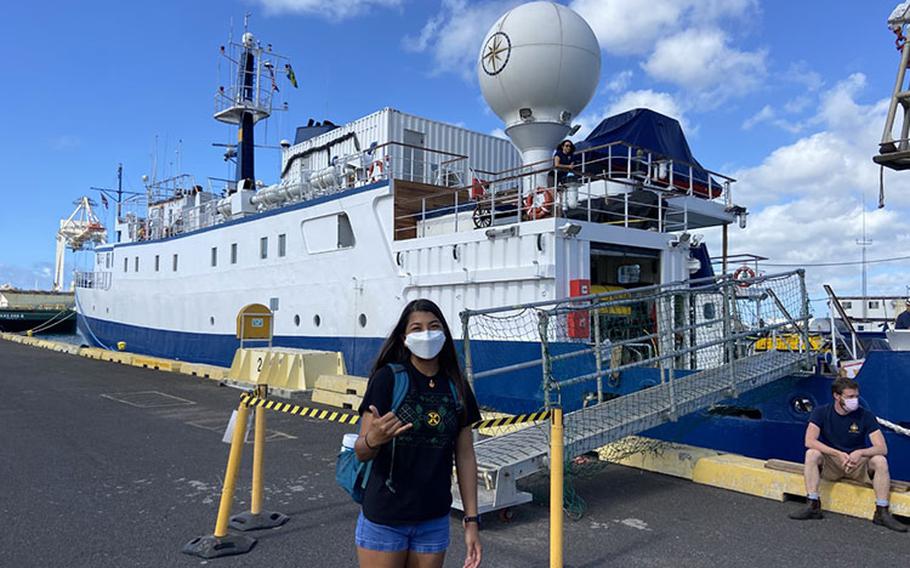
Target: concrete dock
{"type": "Point", "coordinates": [115, 465]}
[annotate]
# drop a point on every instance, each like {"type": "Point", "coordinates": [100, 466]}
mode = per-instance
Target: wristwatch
{"type": "Point", "coordinates": [470, 519]}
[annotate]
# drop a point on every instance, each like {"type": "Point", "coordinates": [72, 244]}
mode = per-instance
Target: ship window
{"type": "Point", "coordinates": [709, 311]}
{"type": "Point", "coordinates": [363, 320]}
{"type": "Point", "coordinates": [136, 264]}
{"type": "Point", "coordinates": [282, 244]}
{"type": "Point", "coordinates": [629, 274]}
{"type": "Point", "coordinates": [264, 247]}
{"type": "Point", "coordinates": [214, 256]}
{"type": "Point", "coordinates": [329, 233]}
{"type": "Point", "coordinates": [273, 304]}
{"type": "Point", "coordinates": [345, 232]}
{"type": "Point", "coordinates": [317, 320]}
{"type": "Point", "coordinates": [233, 253]}
{"type": "Point", "coordinates": [211, 320]}
{"type": "Point", "coordinates": [157, 263]}
{"type": "Point", "coordinates": [125, 263]}
{"type": "Point", "coordinates": [297, 320]}
{"type": "Point", "coordinates": [873, 305]}
{"type": "Point", "coordinates": [175, 264]}
{"type": "Point", "coordinates": [847, 305]}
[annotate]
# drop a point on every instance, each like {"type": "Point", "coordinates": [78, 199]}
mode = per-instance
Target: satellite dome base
{"type": "Point", "coordinates": [537, 141]}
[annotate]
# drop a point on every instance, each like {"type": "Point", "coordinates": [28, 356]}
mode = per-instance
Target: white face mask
{"type": "Point", "coordinates": [851, 404]}
{"type": "Point", "coordinates": [425, 344]}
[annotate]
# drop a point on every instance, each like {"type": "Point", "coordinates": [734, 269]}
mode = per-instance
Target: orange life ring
{"type": "Point", "coordinates": [539, 203]}
{"type": "Point", "coordinates": [375, 172]}
{"type": "Point", "coordinates": [741, 274]}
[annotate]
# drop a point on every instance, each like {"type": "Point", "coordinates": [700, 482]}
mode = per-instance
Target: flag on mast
{"type": "Point", "coordinates": [290, 72]}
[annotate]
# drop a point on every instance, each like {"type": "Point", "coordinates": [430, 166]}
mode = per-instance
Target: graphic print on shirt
{"type": "Point", "coordinates": [854, 429]}
{"type": "Point", "coordinates": [433, 417]}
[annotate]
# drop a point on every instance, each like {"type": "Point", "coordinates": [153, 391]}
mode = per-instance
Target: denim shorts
{"type": "Point", "coordinates": [427, 537]}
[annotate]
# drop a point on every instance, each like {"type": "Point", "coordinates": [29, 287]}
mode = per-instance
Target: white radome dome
{"type": "Point", "coordinates": [540, 56]}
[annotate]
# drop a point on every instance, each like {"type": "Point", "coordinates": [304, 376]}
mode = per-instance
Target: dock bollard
{"type": "Point", "coordinates": [557, 463]}
{"type": "Point", "coordinates": [256, 518]}
{"type": "Point", "coordinates": [221, 543]}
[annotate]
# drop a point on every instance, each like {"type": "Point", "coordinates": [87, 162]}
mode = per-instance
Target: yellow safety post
{"type": "Point", "coordinates": [255, 518]}
{"type": "Point", "coordinates": [557, 463]}
{"type": "Point", "coordinates": [221, 543]}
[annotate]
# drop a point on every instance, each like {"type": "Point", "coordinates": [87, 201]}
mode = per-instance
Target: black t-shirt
{"type": "Point", "coordinates": [566, 159]}
{"type": "Point", "coordinates": [422, 468]}
{"type": "Point", "coordinates": [903, 321]}
{"type": "Point", "coordinates": [846, 433]}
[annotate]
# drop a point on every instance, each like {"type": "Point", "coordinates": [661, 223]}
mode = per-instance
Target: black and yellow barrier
{"type": "Point", "coordinates": [347, 418]}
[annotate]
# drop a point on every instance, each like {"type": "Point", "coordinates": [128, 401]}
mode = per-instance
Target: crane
{"type": "Point", "coordinates": [76, 231]}
{"type": "Point", "coordinates": [895, 153]}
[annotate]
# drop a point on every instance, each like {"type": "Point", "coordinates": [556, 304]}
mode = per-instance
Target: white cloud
{"type": "Point", "coordinates": [625, 27]}
{"type": "Point", "coordinates": [629, 28]}
{"type": "Point", "coordinates": [499, 133]}
{"type": "Point", "coordinates": [453, 36]}
{"type": "Point", "coordinates": [769, 115]}
{"type": "Point", "coordinates": [334, 10]}
{"type": "Point", "coordinates": [764, 115]}
{"type": "Point", "coordinates": [702, 61]}
{"type": "Point", "coordinates": [620, 81]}
{"type": "Point", "coordinates": [806, 198]}
{"type": "Point", "coordinates": [39, 276]}
{"type": "Point", "coordinates": [663, 103]}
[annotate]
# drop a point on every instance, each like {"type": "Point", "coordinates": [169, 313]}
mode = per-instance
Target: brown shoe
{"type": "Point", "coordinates": [813, 510]}
{"type": "Point", "coordinates": [883, 517]}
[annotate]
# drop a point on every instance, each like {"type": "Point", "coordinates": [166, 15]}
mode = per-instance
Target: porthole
{"type": "Point", "coordinates": [107, 310]}
{"type": "Point", "coordinates": [363, 320]}
{"type": "Point", "coordinates": [317, 320]}
{"type": "Point", "coordinates": [211, 320]}
{"type": "Point", "coordinates": [297, 320]}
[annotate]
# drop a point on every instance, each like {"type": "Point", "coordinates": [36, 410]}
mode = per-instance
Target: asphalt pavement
{"type": "Point", "coordinates": [110, 465]}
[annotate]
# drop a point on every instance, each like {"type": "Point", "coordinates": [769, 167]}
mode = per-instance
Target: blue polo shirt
{"type": "Point", "coordinates": [845, 433]}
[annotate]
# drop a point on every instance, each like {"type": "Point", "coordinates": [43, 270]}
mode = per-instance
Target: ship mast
{"type": "Point", "coordinates": [248, 99]}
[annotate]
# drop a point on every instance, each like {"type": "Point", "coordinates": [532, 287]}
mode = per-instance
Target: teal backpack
{"type": "Point", "coordinates": [352, 474]}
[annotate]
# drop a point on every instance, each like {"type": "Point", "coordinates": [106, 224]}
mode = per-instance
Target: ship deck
{"type": "Point", "coordinates": [110, 465]}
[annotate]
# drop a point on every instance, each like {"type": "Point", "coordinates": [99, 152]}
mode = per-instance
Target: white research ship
{"type": "Point", "coordinates": [391, 207]}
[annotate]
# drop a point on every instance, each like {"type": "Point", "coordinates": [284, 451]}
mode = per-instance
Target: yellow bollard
{"type": "Point", "coordinates": [557, 464]}
{"type": "Point", "coordinates": [230, 474]}
{"type": "Point", "coordinates": [221, 543]}
{"type": "Point", "coordinates": [258, 447]}
{"type": "Point", "coordinates": [255, 518]}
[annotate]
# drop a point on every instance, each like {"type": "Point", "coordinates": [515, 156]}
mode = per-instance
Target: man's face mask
{"type": "Point", "coordinates": [851, 404]}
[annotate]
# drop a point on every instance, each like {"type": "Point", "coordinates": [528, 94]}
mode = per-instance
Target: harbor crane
{"type": "Point", "coordinates": [894, 153]}
{"type": "Point", "coordinates": [76, 232]}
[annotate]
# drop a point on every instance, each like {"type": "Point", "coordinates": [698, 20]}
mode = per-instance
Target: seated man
{"type": "Point", "coordinates": [837, 447]}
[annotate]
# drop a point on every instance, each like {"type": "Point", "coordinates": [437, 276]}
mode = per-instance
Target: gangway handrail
{"type": "Point", "coordinates": [715, 280]}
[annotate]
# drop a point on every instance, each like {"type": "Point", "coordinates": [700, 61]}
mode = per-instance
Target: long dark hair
{"type": "Point", "coordinates": [394, 350]}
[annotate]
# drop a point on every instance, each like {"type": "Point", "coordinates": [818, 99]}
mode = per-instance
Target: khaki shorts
{"type": "Point", "coordinates": [832, 470]}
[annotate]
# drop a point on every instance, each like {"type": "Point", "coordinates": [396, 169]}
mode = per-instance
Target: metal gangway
{"type": "Point", "coordinates": [711, 340]}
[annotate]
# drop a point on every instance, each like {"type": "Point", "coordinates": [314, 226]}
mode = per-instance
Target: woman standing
{"type": "Point", "coordinates": [404, 522]}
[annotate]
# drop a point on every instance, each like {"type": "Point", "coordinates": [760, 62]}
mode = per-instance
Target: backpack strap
{"type": "Point", "coordinates": [402, 384]}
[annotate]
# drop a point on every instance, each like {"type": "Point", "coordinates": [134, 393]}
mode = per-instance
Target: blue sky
{"type": "Point", "coordinates": [788, 97]}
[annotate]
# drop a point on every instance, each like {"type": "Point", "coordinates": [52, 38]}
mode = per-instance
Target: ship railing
{"type": "Point", "coordinates": [97, 280]}
{"type": "Point", "coordinates": [588, 343]}
{"type": "Point", "coordinates": [617, 184]}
